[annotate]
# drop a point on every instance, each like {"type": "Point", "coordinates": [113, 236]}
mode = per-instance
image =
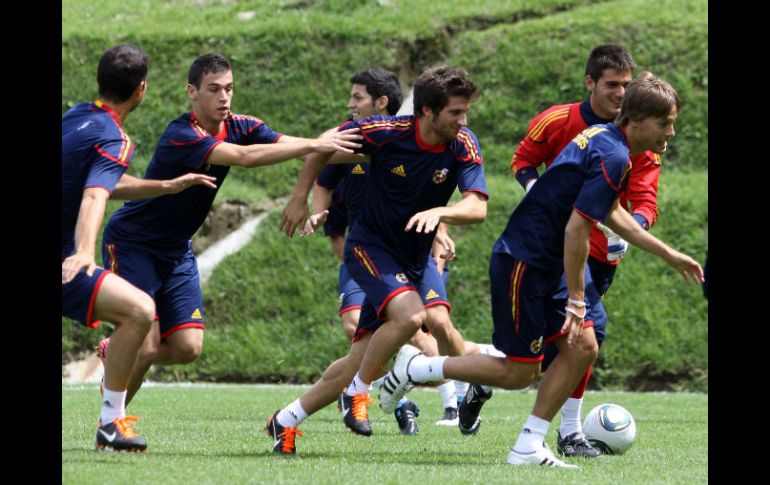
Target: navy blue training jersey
{"type": "Point", "coordinates": [407, 176]}
{"type": "Point", "coordinates": [587, 176]}
{"type": "Point", "coordinates": [169, 222]}
{"type": "Point", "coordinates": [355, 177]}
{"type": "Point", "coordinates": [95, 153]}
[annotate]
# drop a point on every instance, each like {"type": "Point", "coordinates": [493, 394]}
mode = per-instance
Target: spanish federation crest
{"type": "Point", "coordinates": [401, 278]}
{"type": "Point", "coordinates": [536, 345]}
{"type": "Point", "coordinates": [440, 175]}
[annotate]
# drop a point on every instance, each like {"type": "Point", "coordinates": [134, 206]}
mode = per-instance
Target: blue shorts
{"type": "Point", "coordinates": [336, 221]}
{"type": "Point", "coordinates": [174, 283]}
{"type": "Point", "coordinates": [526, 317]}
{"type": "Point", "coordinates": [602, 274]}
{"type": "Point", "coordinates": [351, 295]}
{"type": "Point", "coordinates": [78, 297]}
{"type": "Point", "coordinates": [381, 277]}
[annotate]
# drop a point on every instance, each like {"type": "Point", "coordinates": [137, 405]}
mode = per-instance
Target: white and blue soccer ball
{"type": "Point", "coordinates": [610, 429]}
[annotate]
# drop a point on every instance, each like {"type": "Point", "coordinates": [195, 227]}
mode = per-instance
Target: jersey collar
{"type": "Point", "coordinates": [422, 144]}
{"type": "Point", "coordinates": [101, 105]}
{"type": "Point", "coordinates": [219, 136]}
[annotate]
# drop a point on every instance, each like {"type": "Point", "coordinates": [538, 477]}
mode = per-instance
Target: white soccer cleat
{"type": "Point", "coordinates": [542, 456]}
{"type": "Point", "coordinates": [397, 382]}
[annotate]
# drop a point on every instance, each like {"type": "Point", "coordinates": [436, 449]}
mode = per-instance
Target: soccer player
{"type": "Point", "coordinates": [95, 155]}
{"type": "Point", "coordinates": [608, 71]}
{"type": "Point", "coordinates": [373, 92]}
{"type": "Point", "coordinates": [548, 234]}
{"type": "Point", "coordinates": [149, 242]}
{"type": "Point", "coordinates": [417, 162]}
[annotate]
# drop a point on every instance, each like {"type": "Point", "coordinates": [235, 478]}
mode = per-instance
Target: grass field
{"type": "Point", "coordinates": [212, 435]}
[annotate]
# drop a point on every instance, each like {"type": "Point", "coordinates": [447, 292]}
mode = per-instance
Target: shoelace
{"type": "Point", "coordinates": [360, 406]}
{"type": "Point", "coordinates": [124, 426]}
{"type": "Point", "coordinates": [288, 434]}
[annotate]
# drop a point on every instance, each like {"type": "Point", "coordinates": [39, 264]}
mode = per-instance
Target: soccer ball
{"type": "Point", "coordinates": [610, 429]}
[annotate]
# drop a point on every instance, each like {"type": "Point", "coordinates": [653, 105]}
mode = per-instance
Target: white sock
{"type": "Point", "coordinates": [532, 435]}
{"type": "Point", "coordinates": [448, 396]}
{"type": "Point", "coordinates": [490, 349]}
{"type": "Point", "coordinates": [358, 387]}
{"type": "Point", "coordinates": [292, 415]}
{"type": "Point", "coordinates": [113, 405]}
{"type": "Point", "coordinates": [425, 369]}
{"type": "Point", "coordinates": [570, 417]}
{"type": "Point", "coordinates": [461, 389]}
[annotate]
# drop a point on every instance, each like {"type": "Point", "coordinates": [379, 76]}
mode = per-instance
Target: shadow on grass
{"type": "Point", "coordinates": [83, 455]}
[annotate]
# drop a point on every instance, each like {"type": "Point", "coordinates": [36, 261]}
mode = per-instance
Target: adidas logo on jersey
{"type": "Point", "coordinates": [431, 295]}
{"type": "Point", "coordinates": [196, 314]}
{"type": "Point", "coordinates": [358, 170]}
{"type": "Point", "coordinates": [400, 171]}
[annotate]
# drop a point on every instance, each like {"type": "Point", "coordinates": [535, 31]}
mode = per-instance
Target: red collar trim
{"type": "Point", "coordinates": [426, 146]}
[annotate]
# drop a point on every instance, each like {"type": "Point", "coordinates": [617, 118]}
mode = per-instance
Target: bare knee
{"type": "Point", "coordinates": [141, 312]}
{"type": "Point", "coordinates": [188, 352]}
{"type": "Point", "coordinates": [441, 327]}
{"type": "Point", "coordinates": [584, 351]}
{"type": "Point", "coordinates": [414, 321]}
{"type": "Point", "coordinates": [147, 353]}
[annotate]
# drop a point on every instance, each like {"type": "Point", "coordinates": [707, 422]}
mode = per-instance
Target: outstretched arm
{"type": "Point", "coordinates": [89, 221]}
{"type": "Point", "coordinates": [287, 148]}
{"type": "Point", "coordinates": [622, 223]}
{"type": "Point", "coordinates": [130, 187]}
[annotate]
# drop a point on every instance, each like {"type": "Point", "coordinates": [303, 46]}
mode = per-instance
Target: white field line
{"type": "Point", "coordinates": [214, 254]}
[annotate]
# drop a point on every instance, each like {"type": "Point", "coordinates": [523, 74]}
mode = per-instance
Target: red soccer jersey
{"type": "Point", "coordinates": [550, 131]}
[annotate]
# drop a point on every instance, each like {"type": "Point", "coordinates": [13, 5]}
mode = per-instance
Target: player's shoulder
{"type": "Point", "coordinates": [466, 146]}
{"type": "Point", "coordinates": [244, 120]}
{"type": "Point", "coordinates": [387, 124]}
{"type": "Point", "coordinates": [183, 128]}
{"type": "Point", "coordinates": [550, 120]}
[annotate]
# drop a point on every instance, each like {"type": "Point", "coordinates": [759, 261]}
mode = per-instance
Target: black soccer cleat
{"type": "Point", "coordinates": [355, 412]}
{"type": "Point", "coordinates": [119, 435]}
{"type": "Point", "coordinates": [405, 417]}
{"type": "Point", "coordinates": [575, 444]}
{"type": "Point", "coordinates": [283, 436]}
{"type": "Point", "coordinates": [470, 408]}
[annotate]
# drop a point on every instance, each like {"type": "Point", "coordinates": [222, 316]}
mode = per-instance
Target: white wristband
{"type": "Point", "coordinates": [577, 303]}
{"type": "Point", "coordinates": [570, 310]}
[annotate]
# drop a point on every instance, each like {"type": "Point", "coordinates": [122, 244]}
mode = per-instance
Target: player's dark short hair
{"type": "Point", "coordinates": [205, 64]}
{"type": "Point", "coordinates": [121, 69]}
{"type": "Point", "coordinates": [380, 82]}
{"type": "Point", "coordinates": [435, 86]}
{"type": "Point", "coordinates": [647, 96]}
{"type": "Point", "coordinates": [608, 56]}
